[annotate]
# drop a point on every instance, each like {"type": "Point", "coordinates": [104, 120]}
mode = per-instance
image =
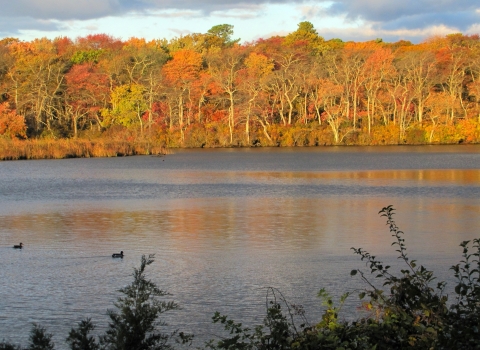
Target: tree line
{"type": "Point", "coordinates": [208, 90]}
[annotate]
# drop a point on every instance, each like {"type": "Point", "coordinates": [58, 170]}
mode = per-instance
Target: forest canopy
{"type": "Point", "coordinates": [208, 90]}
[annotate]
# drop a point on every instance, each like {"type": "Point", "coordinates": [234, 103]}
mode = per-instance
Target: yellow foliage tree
{"type": "Point", "coordinates": [128, 106]}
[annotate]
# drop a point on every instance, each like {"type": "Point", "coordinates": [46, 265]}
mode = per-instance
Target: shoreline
{"type": "Point", "coordinates": [82, 148]}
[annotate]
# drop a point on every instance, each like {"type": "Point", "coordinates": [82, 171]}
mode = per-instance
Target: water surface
{"type": "Point", "coordinates": [224, 225]}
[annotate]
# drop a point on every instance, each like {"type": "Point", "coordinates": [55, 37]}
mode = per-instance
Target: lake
{"type": "Point", "coordinates": [224, 224]}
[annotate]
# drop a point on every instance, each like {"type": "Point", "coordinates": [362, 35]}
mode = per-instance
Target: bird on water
{"type": "Point", "coordinates": [20, 246]}
{"type": "Point", "coordinates": [118, 255]}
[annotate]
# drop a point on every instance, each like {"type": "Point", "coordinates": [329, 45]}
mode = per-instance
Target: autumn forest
{"type": "Point", "coordinates": [101, 96]}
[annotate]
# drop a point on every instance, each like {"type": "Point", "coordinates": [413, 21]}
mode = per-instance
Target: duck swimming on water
{"type": "Point", "coordinates": [20, 246]}
{"type": "Point", "coordinates": [117, 255]}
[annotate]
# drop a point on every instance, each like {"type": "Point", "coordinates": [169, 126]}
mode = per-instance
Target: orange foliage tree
{"type": "Point", "coordinates": [180, 73]}
{"type": "Point", "coordinates": [12, 125]}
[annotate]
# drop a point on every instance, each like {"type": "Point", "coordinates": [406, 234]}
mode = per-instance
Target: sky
{"type": "Point", "coordinates": [358, 20]}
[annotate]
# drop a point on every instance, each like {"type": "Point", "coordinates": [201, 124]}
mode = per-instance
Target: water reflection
{"type": "Point", "coordinates": [458, 177]}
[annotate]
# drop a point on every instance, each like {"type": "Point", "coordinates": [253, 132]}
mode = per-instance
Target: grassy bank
{"type": "Point", "coordinates": [119, 141]}
{"type": "Point", "coordinates": [74, 148]}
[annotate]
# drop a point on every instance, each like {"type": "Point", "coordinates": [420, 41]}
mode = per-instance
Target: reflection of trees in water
{"type": "Point", "coordinates": [469, 176]}
{"type": "Point", "coordinates": [326, 224]}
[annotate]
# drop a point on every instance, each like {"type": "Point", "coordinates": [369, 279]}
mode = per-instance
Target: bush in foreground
{"type": "Point", "coordinates": [136, 323]}
{"type": "Point", "coordinates": [409, 311]}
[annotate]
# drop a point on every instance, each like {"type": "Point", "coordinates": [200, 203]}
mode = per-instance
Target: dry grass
{"type": "Point", "coordinates": [74, 148]}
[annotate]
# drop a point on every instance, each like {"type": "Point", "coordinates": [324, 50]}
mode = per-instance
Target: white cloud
{"type": "Point", "coordinates": [174, 14]}
{"type": "Point", "coordinates": [309, 13]}
{"type": "Point", "coordinates": [474, 29]}
{"type": "Point", "coordinates": [365, 33]}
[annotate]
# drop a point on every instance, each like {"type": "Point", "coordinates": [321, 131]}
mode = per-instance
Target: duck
{"type": "Point", "coordinates": [20, 246]}
{"type": "Point", "coordinates": [118, 255]}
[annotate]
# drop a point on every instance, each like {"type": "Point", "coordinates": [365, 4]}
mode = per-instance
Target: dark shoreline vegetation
{"type": "Point", "coordinates": [101, 96]}
{"type": "Point", "coordinates": [404, 310]}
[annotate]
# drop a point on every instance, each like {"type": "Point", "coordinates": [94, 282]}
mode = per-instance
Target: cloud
{"type": "Point", "coordinates": [60, 9]}
{"type": "Point", "coordinates": [310, 12]}
{"type": "Point", "coordinates": [180, 32]}
{"type": "Point", "coordinates": [92, 9]}
{"type": "Point", "coordinates": [409, 13]}
{"type": "Point", "coordinates": [238, 14]}
{"type": "Point", "coordinates": [396, 19]}
{"type": "Point", "coordinates": [380, 11]}
{"type": "Point", "coordinates": [366, 33]}
{"type": "Point", "coordinates": [462, 21]}
{"type": "Point", "coordinates": [12, 26]}
{"type": "Point", "coordinates": [474, 29]}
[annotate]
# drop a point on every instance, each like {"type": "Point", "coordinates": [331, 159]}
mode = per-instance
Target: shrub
{"type": "Point", "coordinates": [413, 312]}
{"type": "Point", "coordinates": [40, 339]}
{"type": "Point", "coordinates": [135, 324]}
{"type": "Point", "coordinates": [79, 339]}
{"type": "Point", "coordinates": [409, 314]}
{"type": "Point", "coordinates": [462, 326]}
{"type": "Point", "coordinates": [8, 346]}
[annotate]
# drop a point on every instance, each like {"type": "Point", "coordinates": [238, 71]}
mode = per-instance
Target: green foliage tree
{"type": "Point", "coordinates": [8, 346]}
{"type": "Point", "coordinates": [128, 106]}
{"type": "Point", "coordinates": [223, 32]}
{"type": "Point", "coordinates": [305, 31]}
{"type": "Point", "coordinates": [82, 56]}
{"type": "Point", "coordinates": [308, 35]}
{"type": "Point", "coordinates": [135, 324]}
{"type": "Point", "coordinates": [40, 339]}
{"type": "Point", "coordinates": [79, 338]}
